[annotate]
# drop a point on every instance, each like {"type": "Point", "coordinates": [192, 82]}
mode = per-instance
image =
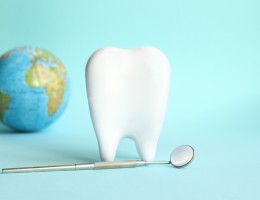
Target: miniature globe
{"type": "Point", "coordinates": [34, 88]}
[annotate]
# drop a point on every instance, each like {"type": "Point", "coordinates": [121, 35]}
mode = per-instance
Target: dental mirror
{"type": "Point", "coordinates": [180, 157]}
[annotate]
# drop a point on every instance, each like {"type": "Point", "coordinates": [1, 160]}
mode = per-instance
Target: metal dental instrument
{"type": "Point", "coordinates": [180, 157]}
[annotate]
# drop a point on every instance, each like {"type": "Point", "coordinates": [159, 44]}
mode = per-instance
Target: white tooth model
{"type": "Point", "coordinates": [128, 93]}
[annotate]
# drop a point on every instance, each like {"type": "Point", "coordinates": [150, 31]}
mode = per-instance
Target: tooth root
{"type": "Point", "coordinates": [146, 147]}
{"type": "Point", "coordinates": [108, 144]}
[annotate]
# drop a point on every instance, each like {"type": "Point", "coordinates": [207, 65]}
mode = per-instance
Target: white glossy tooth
{"type": "Point", "coordinates": [127, 93]}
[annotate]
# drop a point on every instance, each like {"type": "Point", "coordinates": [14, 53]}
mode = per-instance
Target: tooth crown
{"type": "Point", "coordinates": [127, 93]}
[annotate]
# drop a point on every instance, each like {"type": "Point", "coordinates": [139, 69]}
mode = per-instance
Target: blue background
{"type": "Point", "coordinates": [214, 105]}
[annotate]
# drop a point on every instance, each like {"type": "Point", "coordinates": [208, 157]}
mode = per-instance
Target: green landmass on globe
{"type": "Point", "coordinates": [52, 79]}
{"type": "Point", "coordinates": [4, 100]}
{"type": "Point", "coordinates": [5, 56]}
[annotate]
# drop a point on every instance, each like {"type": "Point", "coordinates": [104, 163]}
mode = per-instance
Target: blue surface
{"type": "Point", "coordinates": [214, 104]}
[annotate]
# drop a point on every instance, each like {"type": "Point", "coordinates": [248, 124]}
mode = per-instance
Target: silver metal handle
{"type": "Point", "coordinates": [86, 166]}
{"type": "Point", "coordinates": [115, 164]}
{"type": "Point", "coordinates": [38, 169]}
{"type": "Point", "coordinates": [49, 168]}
